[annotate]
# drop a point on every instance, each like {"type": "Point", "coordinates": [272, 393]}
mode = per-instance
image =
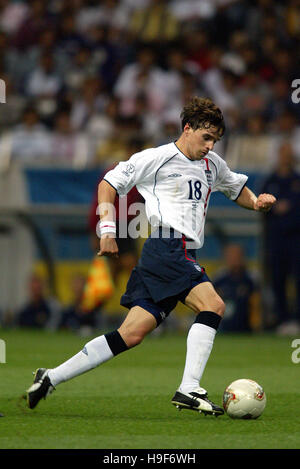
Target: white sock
{"type": "Point", "coordinates": [199, 345]}
{"type": "Point", "coordinates": [93, 353]}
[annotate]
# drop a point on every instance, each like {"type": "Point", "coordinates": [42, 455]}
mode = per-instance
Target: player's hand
{"type": "Point", "coordinates": [264, 202]}
{"type": "Point", "coordinates": [108, 247]}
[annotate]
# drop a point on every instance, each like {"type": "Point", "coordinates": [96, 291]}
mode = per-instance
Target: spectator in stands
{"type": "Point", "coordinates": [69, 38]}
{"type": "Point", "coordinates": [114, 148]}
{"type": "Point", "coordinates": [79, 67]}
{"type": "Point", "coordinates": [282, 234]}
{"type": "Point", "coordinates": [30, 141]}
{"type": "Point", "coordinates": [90, 100]}
{"type": "Point", "coordinates": [143, 77]}
{"type": "Point", "coordinates": [269, 45]}
{"type": "Point", "coordinates": [293, 19]}
{"type": "Point", "coordinates": [252, 149]}
{"type": "Point", "coordinates": [223, 85]}
{"type": "Point", "coordinates": [234, 57]}
{"type": "Point", "coordinates": [39, 311]}
{"type": "Point", "coordinates": [25, 63]}
{"type": "Point", "coordinates": [110, 14]}
{"type": "Point", "coordinates": [281, 99]}
{"type": "Point", "coordinates": [253, 95]}
{"type": "Point", "coordinates": [33, 23]}
{"type": "Point", "coordinates": [68, 148]}
{"type": "Point", "coordinates": [108, 52]}
{"type": "Point", "coordinates": [150, 122]}
{"type": "Point", "coordinates": [12, 15]}
{"type": "Point", "coordinates": [177, 69]}
{"type": "Point", "coordinates": [101, 124]}
{"type": "Point", "coordinates": [284, 64]}
{"type": "Point", "coordinates": [193, 10]}
{"type": "Point", "coordinates": [265, 17]}
{"type": "Point", "coordinates": [154, 24]}
{"type": "Point", "coordinates": [135, 4]}
{"type": "Point", "coordinates": [73, 317]}
{"type": "Point", "coordinates": [43, 85]}
{"type": "Point", "coordinates": [169, 128]}
{"type": "Point", "coordinates": [47, 42]}
{"type": "Point", "coordinates": [44, 80]}
{"type": "Point", "coordinates": [286, 127]}
{"type": "Point", "coordinates": [240, 291]}
{"type": "Point", "coordinates": [197, 48]}
{"type": "Point", "coordinates": [106, 13]}
{"type": "Point", "coordinates": [221, 81]}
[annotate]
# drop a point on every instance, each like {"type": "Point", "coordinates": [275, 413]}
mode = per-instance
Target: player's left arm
{"type": "Point", "coordinates": [262, 203]}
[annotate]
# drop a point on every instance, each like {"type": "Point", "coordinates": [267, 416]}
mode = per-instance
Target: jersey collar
{"type": "Point", "coordinates": [183, 153]}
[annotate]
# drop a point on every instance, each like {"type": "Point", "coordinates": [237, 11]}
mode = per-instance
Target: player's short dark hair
{"type": "Point", "coordinates": [202, 113]}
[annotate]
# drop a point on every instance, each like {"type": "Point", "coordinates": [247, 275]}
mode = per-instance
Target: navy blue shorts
{"type": "Point", "coordinates": [165, 274]}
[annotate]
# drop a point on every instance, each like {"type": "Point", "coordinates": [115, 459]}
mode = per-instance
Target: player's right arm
{"type": "Point", "coordinates": [106, 199]}
{"type": "Point", "coordinates": [120, 180]}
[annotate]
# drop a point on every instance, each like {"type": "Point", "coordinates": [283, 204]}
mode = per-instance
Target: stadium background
{"type": "Point", "coordinates": [86, 80]}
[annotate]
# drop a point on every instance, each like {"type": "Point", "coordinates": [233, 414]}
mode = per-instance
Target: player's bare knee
{"type": "Point", "coordinates": [217, 305]}
{"type": "Point", "coordinates": [220, 307]}
{"type": "Point", "coordinates": [134, 339]}
{"type": "Point", "coordinates": [131, 337]}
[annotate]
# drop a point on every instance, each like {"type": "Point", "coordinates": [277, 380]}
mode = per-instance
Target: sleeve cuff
{"type": "Point", "coordinates": [108, 182]}
{"type": "Point", "coordinates": [235, 199]}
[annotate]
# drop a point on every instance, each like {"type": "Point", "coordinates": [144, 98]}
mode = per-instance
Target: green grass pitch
{"type": "Point", "coordinates": [125, 403]}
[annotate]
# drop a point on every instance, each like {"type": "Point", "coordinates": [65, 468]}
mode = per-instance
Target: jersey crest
{"type": "Point", "coordinates": [208, 176]}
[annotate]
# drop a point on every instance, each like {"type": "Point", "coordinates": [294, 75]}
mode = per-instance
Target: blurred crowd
{"type": "Point", "coordinates": [235, 282]}
{"type": "Point", "coordinates": [84, 77]}
{"type": "Point", "coordinates": [90, 82]}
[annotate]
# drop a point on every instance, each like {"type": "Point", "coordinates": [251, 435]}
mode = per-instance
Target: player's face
{"type": "Point", "coordinates": [200, 142]}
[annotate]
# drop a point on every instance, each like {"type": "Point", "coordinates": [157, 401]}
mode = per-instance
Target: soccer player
{"type": "Point", "coordinates": [176, 181]}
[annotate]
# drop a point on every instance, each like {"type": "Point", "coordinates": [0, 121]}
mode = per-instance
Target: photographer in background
{"type": "Point", "coordinates": [281, 235]}
{"type": "Point", "coordinates": [240, 291]}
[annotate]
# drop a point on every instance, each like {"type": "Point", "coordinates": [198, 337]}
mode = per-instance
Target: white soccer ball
{"type": "Point", "coordinates": [244, 399]}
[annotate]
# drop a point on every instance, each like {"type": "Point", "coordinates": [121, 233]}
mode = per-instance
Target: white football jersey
{"type": "Point", "coordinates": [176, 189]}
